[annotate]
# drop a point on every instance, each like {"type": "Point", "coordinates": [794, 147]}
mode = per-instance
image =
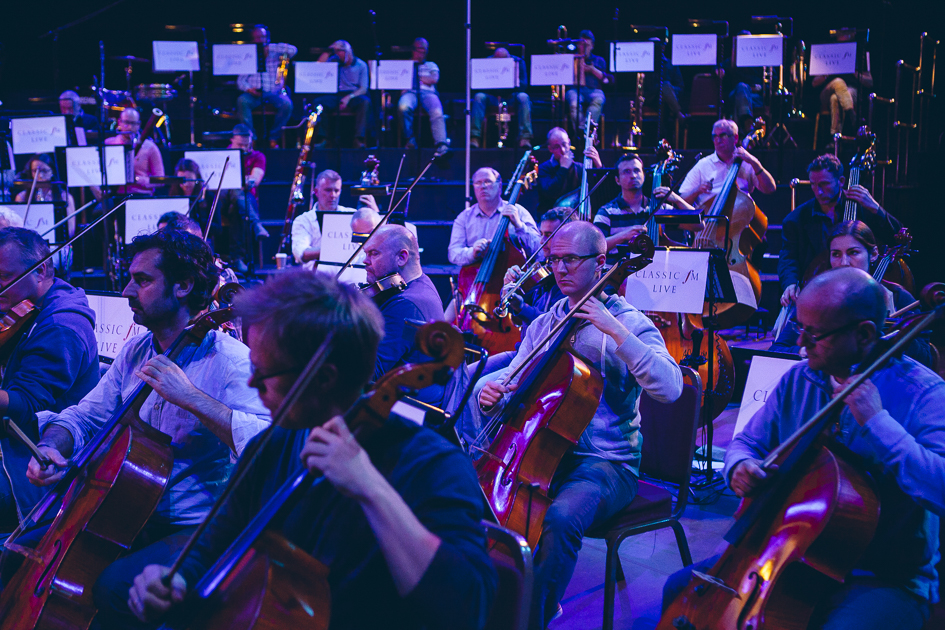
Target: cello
{"type": "Point", "coordinates": [262, 580]}
{"type": "Point", "coordinates": [733, 213]}
{"type": "Point", "coordinates": [555, 401]}
{"type": "Point", "coordinates": [108, 493]}
{"type": "Point", "coordinates": [481, 283]}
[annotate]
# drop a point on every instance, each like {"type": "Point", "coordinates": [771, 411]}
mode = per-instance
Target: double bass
{"type": "Point", "coordinates": [555, 401]}
{"type": "Point", "coordinates": [580, 196]}
{"type": "Point", "coordinates": [734, 213]}
{"type": "Point", "coordinates": [481, 283]}
{"type": "Point", "coordinates": [107, 495]}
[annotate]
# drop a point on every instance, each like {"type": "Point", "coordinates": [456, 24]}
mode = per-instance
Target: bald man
{"type": "Point", "coordinates": [394, 249]}
{"type": "Point", "coordinates": [894, 422]}
{"type": "Point", "coordinates": [561, 174]}
{"type": "Point", "coordinates": [147, 161]}
{"type": "Point", "coordinates": [598, 476]}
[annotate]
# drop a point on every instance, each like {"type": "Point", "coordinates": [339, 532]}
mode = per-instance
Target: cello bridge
{"type": "Point", "coordinates": [714, 581]}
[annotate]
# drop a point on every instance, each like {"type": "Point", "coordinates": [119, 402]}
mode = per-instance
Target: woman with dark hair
{"type": "Point", "coordinates": [43, 169]}
{"type": "Point", "coordinates": [194, 188]}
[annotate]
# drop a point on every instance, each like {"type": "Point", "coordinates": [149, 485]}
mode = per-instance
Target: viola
{"type": "Point", "coordinates": [481, 284]}
{"type": "Point", "coordinates": [108, 493]}
{"type": "Point", "coordinates": [555, 401]}
{"type": "Point", "coordinates": [14, 320]}
{"type": "Point", "coordinates": [262, 580]}
{"type": "Point", "coordinates": [384, 288]}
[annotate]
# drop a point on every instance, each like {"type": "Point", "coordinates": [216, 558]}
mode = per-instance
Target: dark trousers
{"type": "Point", "coordinates": [239, 213]}
{"type": "Point", "coordinates": [861, 603]}
{"type": "Point", "coordinates": [360, 106]}
{"type": "Point", "coordinates": [586, 491]}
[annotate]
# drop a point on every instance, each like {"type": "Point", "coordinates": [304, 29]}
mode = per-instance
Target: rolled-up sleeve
{"type": "Point", "coordinates": [249, 417]}
{"type": "Point", "coordinates": [459, 252]}
{"type": "Point", "coordinates": [305, 234]}
{"type": "Point", "coordinates": [530, 237]}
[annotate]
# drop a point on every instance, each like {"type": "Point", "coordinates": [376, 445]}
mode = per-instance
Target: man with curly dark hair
{"type": "Point", "coordinates": [206, 406]}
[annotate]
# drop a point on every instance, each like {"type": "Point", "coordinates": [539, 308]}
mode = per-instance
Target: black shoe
{"type": "Point", "coordinates": [239, 265]}
{"type": "Point", "coordinates": [260, 231]}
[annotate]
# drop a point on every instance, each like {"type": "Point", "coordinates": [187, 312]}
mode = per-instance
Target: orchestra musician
{"type": "Point", "coordinates": [9, 218]}
{"type": "Point", "coordinates": [592, 77]}
{"type": "Point", "coordinates": [598, 476]}
{"type": "Point", "coordinates": [561, 174]}
{"type": "Point", "coordinates": [705, 179]}
{"type": "Point", "coordinates": [838, 93]}
{"type": "Point", "coordinates": [266, 87]}
{"type": "Point", "coordinates": [482, 100]}
{"type": "Point", "coordinates": [306, 233]}
{"type": "Point", "coordinates": [147, 161]}
{"type": "Point", "coordinates": [49, 365]}
{"type": "Point", "coordinates": [42, 168]}
{"type": "Point", "coordinates": [397, 524]}
{"type": "Point", "coordinates": [804, 231]}
{"type": "Point", "coordinates": [240, 208]}
{"type": "Point", "coordinates": [893, 422]}
{"type": "Point", "coordinates": [206, 408]}
{"type": "Point", "coordinates": [424, 87]}
{"type": "Point", "coordinates": [194, 188]}
{"type": "Point", "coordinates": [351, 96]}
{"type": "Point", "coordinates": [71, 105]}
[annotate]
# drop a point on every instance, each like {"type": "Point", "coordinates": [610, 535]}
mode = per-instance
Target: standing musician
{"type": "Point", "coordinates": [351, 96]}
{"type": "Point", "coordinates": [561, 174]}
{"type": "Point", "coordinates": [147, 161]}
{"type": "Point", "coordinates": [306, 234]}
{"type": "Point", "coordinates": [592, 77]}
{"type": "Point", "coordinates": [481, 100]}
{"type": "Point", "coordinates": [394, 249]}
{"type": "Point", "coordinates": [266, 87]}
{"type": "Point", "coordinates": [239, 208]}
{"type": "Point", "coordinates": [598, 477]}
{"type": "Point", "coordinates": [424, 88]}
{"type": "Point", "coordinates": [707, 176]}
{"type": "Point", "coordinates": [50, 364]}
{"type": "Point", "coordinates": [397, 524]}
{"type": "Point", "coordinates": [207, 407]}
{"type": "Point", "coordinates": [893, 422]}
{"type": "Point", "coordinates": [626, 216]}
{"type": "Point", "coordinates": [804, 231]}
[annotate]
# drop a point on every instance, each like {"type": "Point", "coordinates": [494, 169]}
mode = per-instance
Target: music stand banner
{"type": "Point", "coordinates": [754, 51]}
{"type": "Point", "coordinates": [632, 57]}
{"type": "Point", "coordinates": [38, 135]}
{"type": "Point", "coordinates": [141, 215]}
{"type": "Point", "coordinates": [316, 77]}
{"type": "Point", "coordinates": [211, 167]}
{"type": "Point", "coordinates": [229, 59]}
{"type": "Point", "coordinates": [763, 375]}
{"type": "Point", "coordinates": [552, 70]}
{"type": "Point", "coordinates": [175, 56]}
{"type": "Point", "coordinates": [394, 74]}
{"type": "Point", "coordinates": [827, 59]}
{"type": "Point", "coordinates": [494, 74]}
{"type": "Point", "coordinates": [114, 323]}
{"type": "Point", "coordinates": [674, 281]}
{"type": "Point", "coordinates": [695, 49]}
{"type": "Point", "coordinates": [84, 166]}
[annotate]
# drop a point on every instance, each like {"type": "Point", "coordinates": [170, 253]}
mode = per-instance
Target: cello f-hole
{"type": "Point", "coordinates": [49, 567]}
{"type": "Point", "coordinates": [509, 458]}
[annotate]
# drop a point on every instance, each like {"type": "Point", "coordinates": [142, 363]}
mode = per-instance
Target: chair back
{"type": "Point", "coordinates": [512, 558]}
{"type": "Point", "coordinates": [669, 435]}
{"type": "Point", "coordinates": [704, 96]}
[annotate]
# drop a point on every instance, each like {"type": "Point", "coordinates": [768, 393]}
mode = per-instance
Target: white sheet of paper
{"type": "Point", "coordinates": [141, 215]}
{"type": "Point", "coordinates": [827, 59]}
{"type": "Point", "coordinates": [114, 324]}
{"type": "Point", "coordinates": [674, 282]}
{"type": "Point", "coordinates": [395, 74]}
{"type": "Point", "coordinates": [337, 247]}
{"type": "Point", "coordinates": [494, 74]}
{"type": "Point", "coordinates": [695, 49]}
{"type": "Point", "coordinates": [211, 163]}
{"type": "Point", "coordinates": [632, 56]}
{"type": "Point", "coordinates": [552, 70]}
{"type": "Point", "coordinates": [759, 50]}
{"type": "Point", "coordinates": [42, 216]}
{"type": "Point", "coordinates": [118, 164]}
{"type": "Point", "coordinates": [84, 168]}
{"type": "Point", "coordinates": [231, 59]}
{"type": "Point", "coordinates": [38, 135]}
{"type": "Point", "coordinates": [80, 139]}
{"type": "Point", "coordinates": [314, 77]}
{"type": "Point", "coordinates": [763, 374]}
{"type": "Point", "coordinates": [175, 56]}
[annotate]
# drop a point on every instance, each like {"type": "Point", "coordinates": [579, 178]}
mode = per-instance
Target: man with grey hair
{"type": "Point", "coordinates": [351, 96]}
{"type": "Point", "coordinates": [306, 233]}
{"type": "Point", "coordinates": [561, 174]}
{"type": "Point", "coordinates": [892, 424]}
{"type": "Point", "coordinates": [8, 218]}
{"type": "Point", "coordinates": [424, 90]}
{"type": "Point", "coordinates": [71, 105]}
{"type": "Point", "coordinates": [705, 179]}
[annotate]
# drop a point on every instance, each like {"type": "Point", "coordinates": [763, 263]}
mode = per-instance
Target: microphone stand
{"type": "Point", "coordinates": [377, 71]}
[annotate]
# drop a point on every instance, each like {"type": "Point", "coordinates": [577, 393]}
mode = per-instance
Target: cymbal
{"type": "Point", "coordinates": [169, 179]}
{"type": "Point", "coordinates": [130, 59]}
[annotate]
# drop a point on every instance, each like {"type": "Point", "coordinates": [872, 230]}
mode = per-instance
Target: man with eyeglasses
{"type": "Point", "coordinates": [147, 161]}
{"type": "Point", "coordinates": [561, 174]}
{"type": "Point", "coordinates": [893, 423]}
{"type": "Point", "coordinates": [705, 179]}
{"type": "Point", "coordinates": [598, 476]}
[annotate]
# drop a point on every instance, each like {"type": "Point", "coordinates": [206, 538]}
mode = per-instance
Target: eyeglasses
{"type": "Point", "coordinates": [258, 377]}
{"type": "Point", "coordinates": [485, 184]}
{"type": "Point", "coordinates": [571, 261]}
{"type": "Point", "coordinates": [720, 136]}
{"type": "Point", "coordinates": [802, 331]}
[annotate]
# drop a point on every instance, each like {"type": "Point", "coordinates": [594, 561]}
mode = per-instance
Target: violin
{"type": "Point", "coordinates": [537, 275]}
{"type": "Point", "coordinates": [481, 284]}
{"type": "Point", "coordinates": [108, 493]}
{"type": "Point", "coordinates": [554, 403]}
{"type": "Point", "coordinates": [384, 288]}
{"type": "Point", "coordinates": [263, 580]}
{"type": "Point", "coordinates": [13, 321]}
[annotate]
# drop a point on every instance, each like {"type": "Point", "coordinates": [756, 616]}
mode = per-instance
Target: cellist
{"type": "Point", "coordinates": [894, 422]}
{"type": "Point", "coordinates": [598, 477]}
{"type": "Point", "coordinates": [397, 524]}
{"type": "Point", "coordinates": [207, 408]}
{"type": "Point", "coordinates": [51, 363]}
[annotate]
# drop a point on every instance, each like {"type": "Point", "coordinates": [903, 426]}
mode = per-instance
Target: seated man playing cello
{"type": "Point", "coordinates": [397, 524]}
{"type": "Point", "coordinates": [894, 427]}
{"type": "Point", "coordinates": [598, 476]}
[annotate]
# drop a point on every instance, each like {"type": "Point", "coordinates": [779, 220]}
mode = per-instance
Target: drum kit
{"type": "Point", "coordinates": [116, 101]}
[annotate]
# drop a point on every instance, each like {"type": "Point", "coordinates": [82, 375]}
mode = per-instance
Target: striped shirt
{"type": "Point", "coordinates": [616, 216]}
{"type": "Point", "coordinates": [266, 81]}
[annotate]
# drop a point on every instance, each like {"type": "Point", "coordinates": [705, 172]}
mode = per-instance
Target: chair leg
{"type": "Point", "coordinates": [816, 129]}
{"type": "Point", "coordinates": [610, 585]}
{"type": "Point", "coordinates": [682, 543]}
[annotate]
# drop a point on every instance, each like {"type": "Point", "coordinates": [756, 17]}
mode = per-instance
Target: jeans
{"type": "Point", "coordinates": [591, 101]}
{"type": "Point", "coordinates": [430, 101]}
{"type": "Point", "coordinates": [360, 106]}
{"type": "Point", "coordinates": [470, 422]}
{"type": "Point", "coordinates": [246, 103]}
{"type": "Point", "coordinates": [483, 100]}
{"type": "Point", "coordinates": [838, 99]}
{"type": "Point", "coordinates": [861, 603]}
{"type": "Point", "coordinates": [586, 492]}
{"type": "Point", "coordinates": [238, 210]}
{"type": "Point", "coordinates": [745, 101]}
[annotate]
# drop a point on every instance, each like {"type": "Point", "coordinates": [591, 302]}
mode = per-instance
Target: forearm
{"type": "Point", "coordinates": [59, 438]}
{"type": "Point", "coordinates": [212, 414]}
{"type": "Point", "coordinates": [257, 175]}
{"type": "Point", "coordinates": [310, 254]}
{"type": "Point", "coordinates": [616, 239]}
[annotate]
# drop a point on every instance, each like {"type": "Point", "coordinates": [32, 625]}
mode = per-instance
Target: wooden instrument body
{"type": "Point", "coordinates": [13, 321]}
{"type": "Point", "coordinates": [275, 586]}
{"type": "Point", "coordinates": [528, 449]}
{"type": "Point", "coordinates": [102, 513]}
{"type": "Point", "coordinates": [774, 577]}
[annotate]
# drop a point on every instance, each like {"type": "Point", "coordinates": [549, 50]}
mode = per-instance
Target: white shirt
{"type": "Point", "coordinates": [306, 233]}
{"type": "Point", "coordinates": [713, 168]}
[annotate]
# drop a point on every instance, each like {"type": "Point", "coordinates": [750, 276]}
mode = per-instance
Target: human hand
{"type": "Point", "coordinates": [168, 380]}
{"type": "Point", "coordinates": [863, 197]}
{"type": "Point", "coordinates": [592, 153]}
{"type": "Point", "coordinates": [595, 312]}
{"type": "Point", "coordinates": [512, 212]}
{"type": "Point", "coordinates": [747, 158]}
{"type": "Point", "coordinates": [632, 233]}
{"type": "Point", "coordinates": [790, 295]}
{"type": "Point", "coordinates": [864, 402]}
{"type": "Point", "coordinates": [567, 159]}
{"type": "Point", "coordinates": [149, 598]}
{"type": "Point", "coordinates": [492, 393]}
{"type": "Point", "coordinates": [480, 247]}
{"type": "Point", "coordinates": [368, 201]}
{"type": "Point", "coordinates": [253, 92]}
{"type": "Point", "coordinates": [343, 103]}
{"type": "Point", "coordinates": [748, 476]}
{"type": "Point", "coordinates": [332, 450]}
{"type": "Point", "coordinates": [40, 475]}
{"type": "Point", "coordinates": [706, 187]}
{"type": "Point", "coordinates": [513, 274]}
{"type": "Point", "coordinates": [663, 193]}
